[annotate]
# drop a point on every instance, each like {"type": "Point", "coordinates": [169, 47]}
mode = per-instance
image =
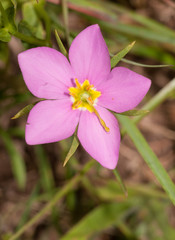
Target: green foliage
{"type": "Point", "coordinates": [72, 150]}
{"type": "Point", "coordinates": [4, 35]}
{"type": "Point", "coordinates": [98, 220]}
{"type": "Point", "coordinates": [148, 155]}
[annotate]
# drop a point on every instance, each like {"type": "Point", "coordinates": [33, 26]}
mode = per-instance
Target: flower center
{"type": "Point", "coordinates": [84, 97]}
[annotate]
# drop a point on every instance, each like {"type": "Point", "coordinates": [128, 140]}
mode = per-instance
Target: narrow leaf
{"type": "Point", "coordinates": [134, 112]}
{"type": "Point", "coordinates": [116, 58]}
{"type": "Point", "coordinates": [73, 148]}
{"type": "Point", "coordinates": [17, 162]}
{"type": "Point", "coordinates": [148, 155]}
{"type": "Point", "coordinates": [60, 44]}
{"type": "Point", "coordinates": [23, 111]}
{"type": "Point", "coordinates": [26, 109]}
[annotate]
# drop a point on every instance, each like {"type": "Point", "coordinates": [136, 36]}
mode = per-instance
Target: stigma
{"type": "Point", "coordinates": [84, 97]}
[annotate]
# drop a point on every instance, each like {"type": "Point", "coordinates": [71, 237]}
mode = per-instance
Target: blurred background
{"type": "Point", "coordinates": [96, 208]}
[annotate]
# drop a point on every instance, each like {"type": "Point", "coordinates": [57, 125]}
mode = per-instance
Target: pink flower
{"type": "Point", "coordinates": [79, 93]}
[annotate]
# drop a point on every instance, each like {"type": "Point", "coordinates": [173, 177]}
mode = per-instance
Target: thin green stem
{"type": "Point", "coordinates": [119, 179]}
{"type": "Point", "coordinates": [30, 40]}
{"type": "Point", "coordinates": [66, 20]}
{"type": "Point", "coordinates": [43, 14]}
{"type": "Point", "coordinates": [68, 187]}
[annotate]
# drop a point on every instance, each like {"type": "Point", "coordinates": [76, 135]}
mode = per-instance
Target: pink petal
{"type": "Point", "coordinates": [89, 56]}
{"type": "Point", "coordinates": [51, 121]}
{"type": "Point", "coordinates": [47, 73]}
{"type": "Point", "coordinates": [123, 90]}
{"type": "Point", "coordinates": [101, 145]}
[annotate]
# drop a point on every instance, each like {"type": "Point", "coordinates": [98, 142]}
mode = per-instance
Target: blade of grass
{"type": "Point", "coordinates": [17, 162]}
{"type": "Point", "coordinates": [148, 155]}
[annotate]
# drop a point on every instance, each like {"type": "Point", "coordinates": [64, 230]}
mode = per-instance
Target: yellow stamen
{"type": "Point", "coordinates": [90, 100]}
{"type": "Point", "coordinates": [77, 83]}
{"type": "Point", "coordinates": [100, 119]}
{"type": "Point", "coordinates": [76, 104]}
{"type": "Point", "coordinates": [84, 96]}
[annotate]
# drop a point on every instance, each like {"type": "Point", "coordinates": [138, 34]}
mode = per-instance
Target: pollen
{"type": "Point", "coordinates": [85, 97]}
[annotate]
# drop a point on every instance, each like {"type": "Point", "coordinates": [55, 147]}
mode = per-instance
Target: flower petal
{"type": "Point", "coordinates": [101, 145]}
{"type": "Point", "coordinates": [51, 121]}
{"type": "Point", "coordinates": [123, 90]}
{"type": "Point", "coordinates": [89, 56]}
{"type": "Point", "coordinates": [47, 73]}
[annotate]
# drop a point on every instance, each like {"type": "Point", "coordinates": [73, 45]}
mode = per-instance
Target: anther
{"type": "Point", "coordinates": [77, 83]}
{"type": "Point", "coordinates": [90, 99]}
{"type": "Point", "coordinates": [98, 115]}
{"type": "Point", "coordinates": [76, 104]}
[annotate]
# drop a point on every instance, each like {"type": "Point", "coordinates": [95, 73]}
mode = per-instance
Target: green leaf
{"type": "Point", "coordinates": [134, 112]}
{"type": "Point", "coordinates": [17, 162]}
{"type": "Point", "coordinates": [60, 44]}
{"type": "Point", "coordinates": [73, 148]}
{"type": "Point", "coordinates": [25, 28]}
{"type": "Point", "coordinates": [121, 54]}
{"type": "Point", "coordinates": [30, 16]}
{"type": "Point", "coordinates": [148, 155]}
{"type": "Point", "coordinates": [24, 111]}
{"type": "Point", "coordinates": [4, 35]}
{"type": "Point", "coordinates": [97, 220]}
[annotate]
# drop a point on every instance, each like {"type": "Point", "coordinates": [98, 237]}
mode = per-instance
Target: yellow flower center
{"type": "Point", "coordinates": [84, 96]}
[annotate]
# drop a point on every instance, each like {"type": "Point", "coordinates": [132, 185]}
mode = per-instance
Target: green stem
{"type": "Point", "coordinates": [68, 187]}
{"type": "Point", "coordinates": [119, 179]}
{"type": "Point", "coordinates": [43, 15]}
{"type": "Point", "coordinates": [66, 20]}
{"type": "Point", "coordinates": [29, 39]}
